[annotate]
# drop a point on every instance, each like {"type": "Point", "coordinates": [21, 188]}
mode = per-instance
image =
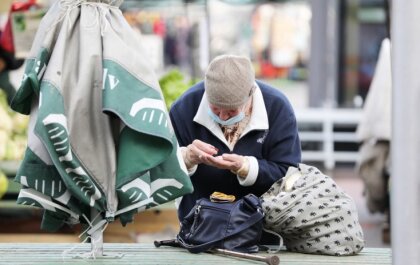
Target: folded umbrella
{"type": "Point", "coordinates": [99, 134]}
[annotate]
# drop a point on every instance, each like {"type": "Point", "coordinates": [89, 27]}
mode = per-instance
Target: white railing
{"type": "Point", "coordinates": [321, 127]}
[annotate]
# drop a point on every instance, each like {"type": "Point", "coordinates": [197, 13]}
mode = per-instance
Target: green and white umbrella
{"type": "Point", "coordinates": [99, 133]}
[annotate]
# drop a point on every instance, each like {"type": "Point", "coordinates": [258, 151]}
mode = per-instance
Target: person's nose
{"type": "Point", "coordinates": [224, 115]}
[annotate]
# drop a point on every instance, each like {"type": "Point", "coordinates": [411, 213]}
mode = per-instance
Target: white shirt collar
{"type": "Point", "coordinates": [258, 120]}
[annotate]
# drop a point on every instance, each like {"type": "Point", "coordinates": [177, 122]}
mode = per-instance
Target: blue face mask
{"type": "Point", "coordinates": [228, 122]}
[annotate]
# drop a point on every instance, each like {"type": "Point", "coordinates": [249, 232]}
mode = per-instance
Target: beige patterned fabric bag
{"type": "Point", "coordinates": [312, 214]}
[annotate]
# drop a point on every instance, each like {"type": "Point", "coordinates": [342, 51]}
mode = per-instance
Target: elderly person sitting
{"type": "Point", "coordinates": [237, 135]}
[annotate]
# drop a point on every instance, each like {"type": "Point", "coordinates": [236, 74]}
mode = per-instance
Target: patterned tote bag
{"type": "Point", "coordinates": [312, 214]}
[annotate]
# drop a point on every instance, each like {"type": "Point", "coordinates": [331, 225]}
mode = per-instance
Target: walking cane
{"type": "Point", "coordinates": [270, 260]}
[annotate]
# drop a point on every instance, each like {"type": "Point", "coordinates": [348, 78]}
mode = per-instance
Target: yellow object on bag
{"type": "Point", "coordinates": [221, 197]}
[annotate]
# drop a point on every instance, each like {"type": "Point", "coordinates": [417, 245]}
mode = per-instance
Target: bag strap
{"type": "Point", "coordinates": [253, 219]}
{"type": "Point", "coordinates": [275, 248]}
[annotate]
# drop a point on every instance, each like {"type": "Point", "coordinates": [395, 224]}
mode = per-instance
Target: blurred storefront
{"type": "Point", "coordinates": [186, 35]}
{"type": "Point", "coordinates": [327, 48]}
{"type": "Point", "coordinates": [344, 50]}
{"type": "Point", "coordinates": [174, 31]}
{"type": "Point", "coordinates": [363, 26]}
{"type": "Point", "coordinates": [277, 37]}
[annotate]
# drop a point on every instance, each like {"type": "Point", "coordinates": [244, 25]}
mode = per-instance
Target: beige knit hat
{"type": "Point", "coordinates": [229, 81]}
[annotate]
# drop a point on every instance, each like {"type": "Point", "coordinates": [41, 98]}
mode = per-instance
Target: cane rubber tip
{"type": "Point", "coordinates": [157, 243]}
{"type": "Point", "coordinates": [273, 260]}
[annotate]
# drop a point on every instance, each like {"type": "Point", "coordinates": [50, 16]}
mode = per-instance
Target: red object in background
{"type": "Point", "coordinates": [159, 27]}
{"type": "Point", "coordinates": [22, 6]}
{"type": "Point", "coordinates": [270, 71]}
{"type": "Point", "coordinates": [6, 38]}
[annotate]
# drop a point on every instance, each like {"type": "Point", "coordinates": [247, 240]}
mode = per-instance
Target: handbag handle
{"type": "Point", "coordinates": [253, 219]}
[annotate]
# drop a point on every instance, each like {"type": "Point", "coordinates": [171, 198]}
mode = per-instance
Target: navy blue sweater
{"type": "Point", "coordinates": [275, 149]}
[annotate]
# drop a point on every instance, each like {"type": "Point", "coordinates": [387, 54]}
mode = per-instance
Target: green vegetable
{"type": "Point", "coordinates": [4, 183]}
{"type": "Point", "coordinates": [13, 131]}
{"type": "Point", "coordinates": [173, 84]}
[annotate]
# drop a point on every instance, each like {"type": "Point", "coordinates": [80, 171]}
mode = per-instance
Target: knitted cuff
{"type": "Point", "coordinates": [188, 163]}
{"type": "Point", "coordinates": [243, 171]}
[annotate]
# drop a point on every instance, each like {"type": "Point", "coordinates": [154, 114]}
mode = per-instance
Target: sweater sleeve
{"type": "Point", "coordinates": [176, 124]}
{"type": "Point", "coordinates": [281, 150]}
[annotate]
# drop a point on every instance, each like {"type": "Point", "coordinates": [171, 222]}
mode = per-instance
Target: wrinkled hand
{"type": "Point", "coordinates": [232, 162]}
{"type": "Point", "coordinates": [198, 150]}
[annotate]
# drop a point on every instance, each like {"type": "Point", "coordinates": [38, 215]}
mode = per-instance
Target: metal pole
{"type": "Point", "coordinates": [405, 142]}
{"type": "Point", "coordinates": [332, 54]}
{"type": "Point", "coordinates": [190, 41]}
{"type": "Point", "coordinates": [97, 239]}
{"type": "Point", "coordinates": [387, 9]}
{"type": "Point", "coordinates": [323, 64]}
{"type": "Point", "coordinates": [208, 20]}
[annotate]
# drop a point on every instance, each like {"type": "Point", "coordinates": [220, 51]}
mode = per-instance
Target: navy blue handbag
{"type": "Point", "coordinates": [235, 226]}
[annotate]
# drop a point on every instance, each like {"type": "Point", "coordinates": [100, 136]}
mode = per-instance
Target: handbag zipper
{"type": "Point", "coordinates": [194, 225]}
{"type": "Point", "coordinates": [197, 211]}
{"type": "Point", "coordinates": [212, 208]}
